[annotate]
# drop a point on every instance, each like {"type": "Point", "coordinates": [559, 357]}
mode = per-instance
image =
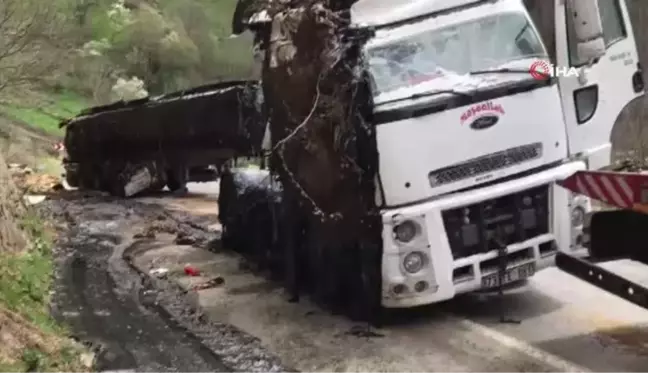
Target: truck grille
{"type": "Point", "coordinates": [474, 229]}
{"type": "Point", "coordinates": [485, 164]}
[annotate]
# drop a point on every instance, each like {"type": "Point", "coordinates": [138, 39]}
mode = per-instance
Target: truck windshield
{"type": "Point", "coordinates": [485, 43]}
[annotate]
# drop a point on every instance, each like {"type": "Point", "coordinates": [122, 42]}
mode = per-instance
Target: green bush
{"type": "Point", "coordinates": [170, 46]}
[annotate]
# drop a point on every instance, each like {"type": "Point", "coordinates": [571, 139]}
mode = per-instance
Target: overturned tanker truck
{"type": "Point", "coordinates": [144, 145]}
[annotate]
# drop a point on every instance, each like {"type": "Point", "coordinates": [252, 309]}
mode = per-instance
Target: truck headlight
{"type": "Point", "coordinates": [414, 262]}
{"type": "Point", "coordinates": [406, 231]}
{"type": "Point", "coordinates": [578, 216]}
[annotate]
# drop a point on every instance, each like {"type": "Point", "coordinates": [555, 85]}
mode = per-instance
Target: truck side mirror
{"type": "Point", "coordinates": [588, 29]}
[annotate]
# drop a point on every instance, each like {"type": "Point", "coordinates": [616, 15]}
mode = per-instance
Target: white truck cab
{"type": "Point", "coordinates": [471, 142]}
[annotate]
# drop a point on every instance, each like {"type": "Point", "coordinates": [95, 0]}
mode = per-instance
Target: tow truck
{"type": "Point", "coordinates": [619, 231]}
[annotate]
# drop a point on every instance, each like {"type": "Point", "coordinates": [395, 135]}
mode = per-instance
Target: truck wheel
{"type": "Point", "coordinates": [117, 190]}
{"type": "Point", "coordinates": [365, 285]}
{"type": "Point", "coordinates": [177, 179]}
{"type": "Point", "coordinates": [156, 188]}
{"type": "Point", "coordinates": [108, 180]}
{"type": "Point", "coordinates": [227, 238]}
{"type": "Point", "coordinates": [87, 177]}
{"type": "Point", "coordinates": [72, 178]}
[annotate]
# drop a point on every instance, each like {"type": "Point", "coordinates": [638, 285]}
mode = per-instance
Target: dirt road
{"type": "Point", "coordinates": [565, 324]}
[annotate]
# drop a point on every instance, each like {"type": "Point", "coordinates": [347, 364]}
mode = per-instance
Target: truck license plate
{"type": "Point", "coordinates": [512, 275]}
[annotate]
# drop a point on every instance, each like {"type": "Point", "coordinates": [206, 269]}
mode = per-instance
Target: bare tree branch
{"type": "Point", "coordinates": [30, 47]}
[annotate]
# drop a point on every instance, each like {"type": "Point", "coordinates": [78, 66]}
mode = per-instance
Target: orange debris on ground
{"type": "Point", "coordinates": [34, 183]}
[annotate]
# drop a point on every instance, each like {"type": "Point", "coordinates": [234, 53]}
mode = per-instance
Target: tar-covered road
{"type": "Point", "coordinates": [564, 323]}
{"type": "Point", "coordinates": [104, 301]}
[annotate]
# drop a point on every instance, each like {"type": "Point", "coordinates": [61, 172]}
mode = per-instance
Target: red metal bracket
{"type": "Point", "coordinates": [626, 190]}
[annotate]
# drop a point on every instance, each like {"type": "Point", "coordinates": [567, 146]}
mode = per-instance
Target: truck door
{"type": "Point", "coordinates": [593, 99]}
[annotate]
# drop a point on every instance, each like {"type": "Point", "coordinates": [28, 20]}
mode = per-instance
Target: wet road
{"type": "Point", "coordinates": [562, 319]}
{"type": "Point", "coordinates": [569, 318]}
{"type": "Point", "coordinates": [105, 302]}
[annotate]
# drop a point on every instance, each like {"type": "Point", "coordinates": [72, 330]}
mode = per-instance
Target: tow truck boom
{"type": "Point", "coordinates": [617, 233]}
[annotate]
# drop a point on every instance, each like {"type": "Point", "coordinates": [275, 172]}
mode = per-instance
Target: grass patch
{"type": "Point", "coordinates": [39, 343]}
{"type": "Point", "coordinates": [50, 166]}
{"type": "Point", "coordinates": [35, 360]}
{"type": "Point", "coordinates": [47, 116]}
{"type": "Point", "coordinates": [25, 277]}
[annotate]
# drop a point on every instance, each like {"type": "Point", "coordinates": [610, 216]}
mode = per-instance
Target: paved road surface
{"type": "Point", "coordinates": [562, 318]}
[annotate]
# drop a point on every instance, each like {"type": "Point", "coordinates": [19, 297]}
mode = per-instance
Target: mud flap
{"type": "Point", "coordinates": [136, 178]}
{"type": "Point", "coordinates": [621, 234]}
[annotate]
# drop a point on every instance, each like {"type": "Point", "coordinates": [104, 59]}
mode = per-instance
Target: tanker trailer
{"type": "Point", "coordinates": [142, 145]}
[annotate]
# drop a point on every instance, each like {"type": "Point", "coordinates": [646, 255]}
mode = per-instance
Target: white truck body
{"type": "Point", "coordinates": [495, 145]}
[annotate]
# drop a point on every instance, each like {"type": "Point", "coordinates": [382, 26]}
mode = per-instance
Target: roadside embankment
{"type": "Point", "coordinates": [30, 340]}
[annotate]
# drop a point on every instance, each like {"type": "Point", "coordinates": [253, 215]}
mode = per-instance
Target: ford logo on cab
{"type": "Point", "coordinates": [484, 122]}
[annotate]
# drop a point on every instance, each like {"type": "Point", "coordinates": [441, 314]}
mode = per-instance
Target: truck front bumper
{"type": "Point", "coordinates": [441, 276]}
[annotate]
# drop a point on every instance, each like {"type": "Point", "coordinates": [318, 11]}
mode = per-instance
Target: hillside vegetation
{"type": "Point", "coordinates": [56, 58]}
{"type": "Point", "coordinates": [60, 56]}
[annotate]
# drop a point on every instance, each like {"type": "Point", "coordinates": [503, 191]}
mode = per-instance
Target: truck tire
{"type": "Point", "coordinates": [108, 178]}
{"type": "Point", "coordinates": [369, 308]}
{"type": "Point", "coordinates": [245, 206]}
{"type": "Point", "coordinates": [177, 179]}
{"type": "Point", "coordinates": [72, 177]}
{"type": "Point", "coordinates": [227, 198]}
{"type": "Point", "coordinates": [86, 176]}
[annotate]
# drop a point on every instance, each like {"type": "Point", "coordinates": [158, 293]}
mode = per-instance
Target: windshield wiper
{"type": "Point", "coordinates": [507, 71]}
{"type": "Point", "coordinates": [429, 94]}
{"type": "Point", "coordinates": [519, 35]}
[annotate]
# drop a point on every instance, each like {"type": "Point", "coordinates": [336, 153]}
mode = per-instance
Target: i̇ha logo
{"type": "Point", "coordinates": [542, 70]}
